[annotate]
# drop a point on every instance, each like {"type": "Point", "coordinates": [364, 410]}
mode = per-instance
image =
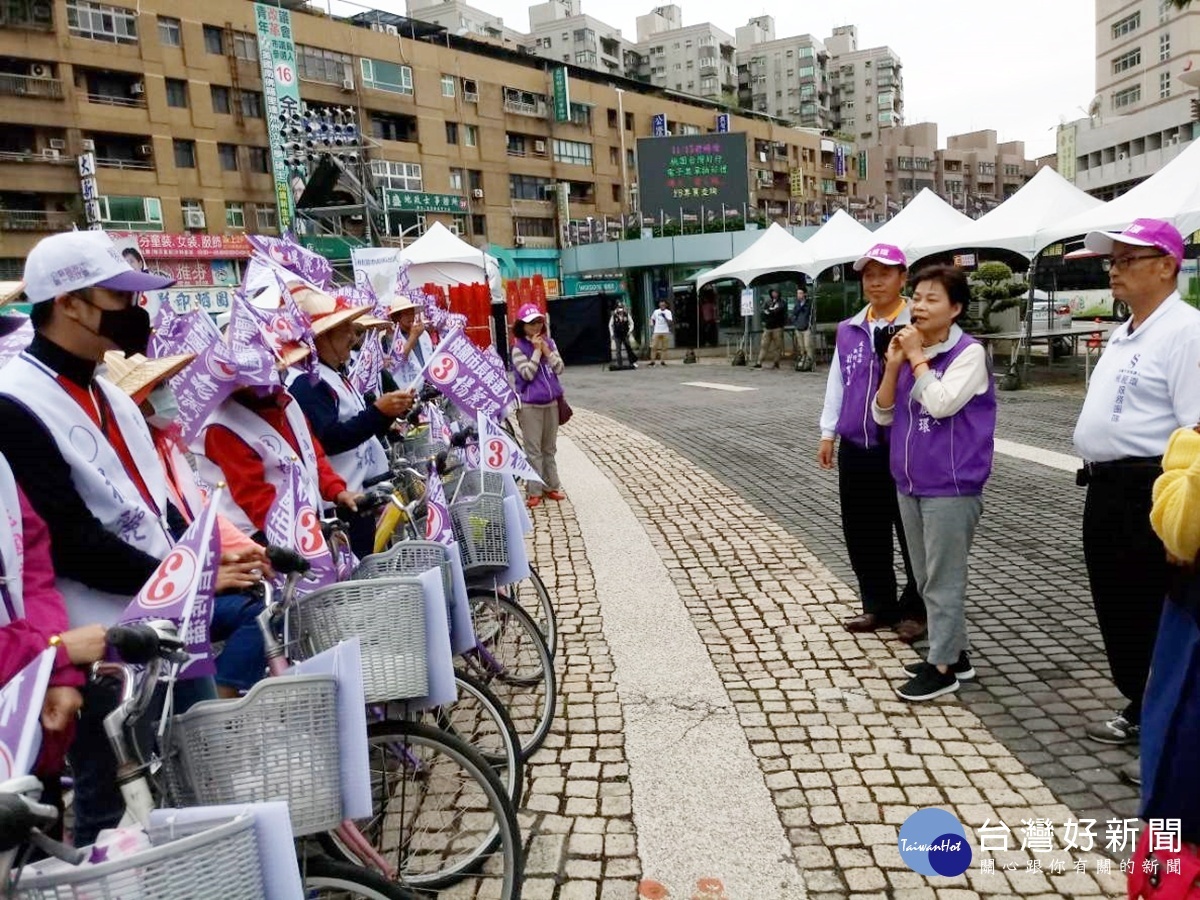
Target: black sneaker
{"type": "Point", "coordinates": [962, 669]}
{"type": "Point", "coordinates": [927, 684]}
{"type": "Point", "coordinates": [1131, 773]}
{"type": "Point", "coordinates": [1117, 731]}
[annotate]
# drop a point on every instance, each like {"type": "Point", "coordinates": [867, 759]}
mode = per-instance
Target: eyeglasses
{"type": "Point", "coordinates": [1119, 264]}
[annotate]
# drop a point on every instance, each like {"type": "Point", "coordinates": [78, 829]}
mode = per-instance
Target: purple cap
{"type": "Point", "coordinates": [529, 313]}
{"type": "Point", "coordinates": [886, 254]}
{"type": "Point", "coordinates": [1142, 233]}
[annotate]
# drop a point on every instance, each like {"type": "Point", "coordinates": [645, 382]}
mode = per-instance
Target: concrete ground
{"type": "Point", "coordinates": [720, 737]}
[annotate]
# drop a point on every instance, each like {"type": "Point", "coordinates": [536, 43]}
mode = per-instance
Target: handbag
{"type": "Point", "coordinates": [564, 410]}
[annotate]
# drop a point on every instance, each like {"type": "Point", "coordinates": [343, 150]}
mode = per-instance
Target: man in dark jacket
{"type": "Point", "coordinates": [774, 317]}
{"type": "Point", "coordinates": [802, 321]}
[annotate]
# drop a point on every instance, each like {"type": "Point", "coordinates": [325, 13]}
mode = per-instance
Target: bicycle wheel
{"type": "Point", "coordinates": [511, 658]}
{"type": "Point", "coordinates": [479, 719]}
{"type": "Point", "coordinates": [441, 814]}
{"type": "Point", "coordinates": [535, 599]}
{"type": "Point", "coordinates": [332, 880]}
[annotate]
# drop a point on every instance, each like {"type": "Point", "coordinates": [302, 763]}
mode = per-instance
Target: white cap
{"type": "Point", "coordinates": [73, 260]}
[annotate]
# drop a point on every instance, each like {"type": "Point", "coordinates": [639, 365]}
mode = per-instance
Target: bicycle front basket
{"type": "Point", "coordinates": [479, 529]}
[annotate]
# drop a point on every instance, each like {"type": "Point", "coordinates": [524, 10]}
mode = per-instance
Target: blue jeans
{"type": "Point", "coordinates": [243, 661]}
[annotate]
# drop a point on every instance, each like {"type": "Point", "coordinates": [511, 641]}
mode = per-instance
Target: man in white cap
{"type": "Point", "coordinates": [81, 451]}
{"type": "Point", "coordinates": [870, 511]}
{"type": "Point", "coordinates": [1144, 386]}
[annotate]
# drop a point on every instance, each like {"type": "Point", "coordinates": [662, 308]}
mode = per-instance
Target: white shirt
{"type": "Point", "coordinates": [661, 320]}
{"type": "Point", "coordinates": [834, 388]}
{"type": "Point", "coordinates": [1145, 385]}
{"type": "Point", "coordinates": [963, 379]}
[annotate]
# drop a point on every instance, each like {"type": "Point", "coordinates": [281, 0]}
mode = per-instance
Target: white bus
{"type": "Point", "coordinates": [1078, 280]}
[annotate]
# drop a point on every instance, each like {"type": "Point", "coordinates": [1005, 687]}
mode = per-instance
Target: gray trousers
{"type": "Point", "coordinates": [539, 436]}
{"type": "Point", "coordinates": [939, 532]}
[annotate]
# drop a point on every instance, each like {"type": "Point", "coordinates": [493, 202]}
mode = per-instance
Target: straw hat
{"type": "Point", "coordinates": [137, 376]}
{"type": "Point", "coordinates": [10, 291]}
{"type": "Point", "coordinates": [370, 321]}
{"type": "Point", "coordinates": [323, 310]}
{"type": "Point", "coordinates": [402, 303]}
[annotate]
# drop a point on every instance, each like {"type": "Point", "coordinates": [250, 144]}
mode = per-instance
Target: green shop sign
{"type": "Point", "coordinates": [416, 201]}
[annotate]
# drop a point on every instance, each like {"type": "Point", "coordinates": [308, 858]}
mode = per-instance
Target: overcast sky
{"type": "Point", "coordinates": [1017, 66]}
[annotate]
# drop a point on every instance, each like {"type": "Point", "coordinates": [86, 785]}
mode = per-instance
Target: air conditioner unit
{"type": "Point", "coordinates": [87, 145]}
{"type": "Point", "coordinates": [137, 89]}
{"type": "Point", "coordinates": [377, 26]}
{"type": "Point", "coordinates": [39, 70]}
{"type": "Point", "coordinates": [477, 193]}
{"type": "Point", "coordinates": [145, 150]}
{"type": "Point", "coordinates": [50, 153]}
{"type": "Point", "coordinates": [762, 156]}
{"type": "Point", "coordinates": [58, 144]}
{"type": "Point", "coordinates": [348, 84]}
{"type": "Point", "coordinates": [193, 218]}
{"type": "Point", "coordinates": [392, 29]}
{"type": "Point", "coordinates": [539, 146]}
{"type": "Point", "coordinates": [519, 240]}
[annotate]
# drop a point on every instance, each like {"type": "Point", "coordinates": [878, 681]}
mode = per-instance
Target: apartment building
{"type": "Point", "coordinates": [464, 20]}
{"type": "Point", "coordinates": [866, 86]}
{"type": "Point", "coordinates": [560, 30]}
{"type": "Point", "coordinates": [692, 59]}
{"type": "Point", "coordinates": [1147, 52]}
{"type": "Point", "coordinates": [170, 103]}
{"type": "Point", "coordinates": [784, 77]}
{"type": "Point", "coordinates": [974, 172]}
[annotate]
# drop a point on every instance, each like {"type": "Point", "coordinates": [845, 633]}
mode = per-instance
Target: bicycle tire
{"type": "Point", "coordinates": [535, 599]}
{"type": "Point", "coordinates": [515, 663]}
{"type": "Point", "coordinates": [349, 880]}
{"type": "Point", "coordinates": [496, 853]}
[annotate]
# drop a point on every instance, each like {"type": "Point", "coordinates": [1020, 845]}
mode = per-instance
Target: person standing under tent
{"type": "Point", "coordinates": [661, 325]}
{"type": "Point", "coordinates": [802, 338]}
{"type": "Point", "coordinates": [774, 317]}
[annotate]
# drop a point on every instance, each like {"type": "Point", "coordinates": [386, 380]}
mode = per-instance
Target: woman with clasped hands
{"type": "Point", "coordinates": [938, 395]}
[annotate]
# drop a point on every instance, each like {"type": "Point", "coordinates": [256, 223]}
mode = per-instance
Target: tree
{"type": "Point", "coordinates": [994, 286]}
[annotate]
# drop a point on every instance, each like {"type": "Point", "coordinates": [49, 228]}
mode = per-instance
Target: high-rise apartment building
{"type": "Point", "coordinates": [560, 30]}
{"type": "Point", "coordinates": [785, 77]}
{"type": "Point", "coordinates": [1140, 117]}
{"type": "Point", "coordinates": [866, 86]}
{"type": "Point", "coordinates": [690, 59]}
{"type": "Point", "coordinates": [464, 20]}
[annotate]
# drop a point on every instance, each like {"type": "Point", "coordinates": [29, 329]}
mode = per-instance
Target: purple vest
{"type": "Point", "coordinates": [861, 373]}
{"type": "Point", "coordinates": [544, 388]}
{"type": "Point", "coordinates": [950, 457]}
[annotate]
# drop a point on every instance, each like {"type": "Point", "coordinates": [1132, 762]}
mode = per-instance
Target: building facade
{"type": "Point", "coordinates": [560, 30]}
{"type": "Point", "coordinates": [866, 87]}
{"type": "Point", "coordinates": [1147, 55]}
{"type": "Point", "coordinates": [170, 103]}
{"type": "Point", "coordinates": [691, 59]}
{"type": "Point", "coordinates": [787, 78]}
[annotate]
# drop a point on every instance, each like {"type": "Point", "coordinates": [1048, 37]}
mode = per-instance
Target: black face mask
{"type": "Point", "coordinates": [128, 328]}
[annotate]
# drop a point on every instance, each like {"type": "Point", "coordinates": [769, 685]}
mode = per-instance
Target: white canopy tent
{"type": "Point", "coordinates": [776, 251]}
{"type": "Point", "coordinates": [839, 240]}
{"type": "Point", "coordinates": [1172, 193]}
{"type": "Point", "coordinates": [926, 214]}
{"type": "Point", "coordinates": [441, 257]}
{"type": "Point", "coordinates": [1047, 199]}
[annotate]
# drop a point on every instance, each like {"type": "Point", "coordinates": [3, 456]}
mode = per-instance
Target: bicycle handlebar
{"type": "Point", "coordinates": [285, 561]}
{"type": "Point", "coordinates": [134, 644]}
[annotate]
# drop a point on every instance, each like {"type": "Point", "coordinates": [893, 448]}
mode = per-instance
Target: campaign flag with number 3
{"type": "Point", "coordinates": [292, 521]}
{"type": "Point", "coordinates": [437, 512]}
{"type": "Point", "coordinates": [463, 374]}
{"type": "Point", "coordinates": [182, 588]}
{"type": "Point", "coordinates": [499, 453]}
{"type": "Point", "coordinates": [20, 716]}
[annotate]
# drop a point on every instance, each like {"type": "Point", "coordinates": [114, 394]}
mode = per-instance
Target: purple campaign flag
{"type": "Point", "coordinates": [366, 366]}
{"type": "Point", "coordinates": [462, 373]}
{"type": "Point", "coordinates": [285, 252]}
{"type": "Point", "coordinates": [437, 512]}
{"type": "Point", "coordinates": [15, 341]}
{"type": "Point", "coordinates": [283, 322]}
{"type": "Point", "coordinates": [437, 424]}
{"type": "Point", "coordinates": [248, 348]}
{"type": "Point", "coordinates": [499, 453]}
{"type": "Point", "coordinates": [190, 332]}
{"type": "Point", "coordinates": [20, 716]}
{"type": "Point", "coordinates": [293, 522]}
{"type": "Point", "coordinates": [181, 589]}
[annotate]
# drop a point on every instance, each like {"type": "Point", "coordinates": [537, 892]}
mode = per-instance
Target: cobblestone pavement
{"type": "Point", "coordinates": [1042, 670]}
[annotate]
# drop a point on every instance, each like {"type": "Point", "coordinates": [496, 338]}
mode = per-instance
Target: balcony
{"type": "Point", "coordinates": [48, 156]}
{"type": "Point", "coordinates": [109, 88]}
{"type": "Point", "coordinates": [524, 103]}
{"type": "Point", "coordinates": [32, 15]}
{"type": "Point", "coordinates": [14, 85]}
{"type": "Point", "coordinates": [35, 220]}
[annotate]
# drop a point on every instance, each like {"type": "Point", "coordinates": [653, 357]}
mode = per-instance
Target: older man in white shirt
{"type": "Point", "coordinates": [1146, 385]}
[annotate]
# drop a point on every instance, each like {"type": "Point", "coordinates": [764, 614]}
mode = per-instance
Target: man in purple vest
{"type": "Point", "coordinates": [867, 492]}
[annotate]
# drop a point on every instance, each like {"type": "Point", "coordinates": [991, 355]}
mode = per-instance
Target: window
{"type": "Point", "coordinates": [479, 225]}
{"type": "Point", "coordinates": [1164, 85]}
{"type": "Point", "coordinates": [132, 213]}
{"type": "Point", "coordinates": [574, 152]}
{"type": "Point", "coordinates": [1164, 46]}
{"type": "Point", "coordinates": [470, 90]}
{"type": "Point", "coordinates": [394, 127]}
{"type": "Point", "coordinates": [220, 100]}
{"type": "Point", "coordinates": [169, 32]}
{"type": "Point", "coordinates": [384, 76]}
{"type": "Point", "coordinates": [616, 193]}
{"type": "Point", "coordinates": [397, 175]}
{"type": "Point", "coordinates": [451, 132]}
{"type": "Point", "coordinates": [235, 215]}
{"type": "Point", "coordinates": [1165, 8]}
{"type": "Point", "coordinates": [447, 85]}
{"type": "Point", "coordinates": [252, 104]}
{"type": "Point", "coordinates": [1127, 97]}
{"type": "Point", "coordinates": [191, 208]}
{"type": "Point", "coordinates": [1127, 60]}
{"type": "Point", "coordinates": [807, 71]}
{"type": "Point", "coordinates": [526, 226]}
{"type": "Point", "coordinates": [177, 93]}
{"type": "Point", "coordinates": [629, 121]}
{"type": "Point", "coordinates": [316, 64]}
{"type": "Point", "coordinates": [456, 179]}
{"type": "Point", "coordinates": [214, 39]}
{"type": "Point", "coordinates": [228, 155]}
{"type": "Point", "coordinates": [515, 144]}
{"type": "Point", "coordinates": [471, 135]}
{"type": "Point", "coordinates": [475, 179]}
{"type": "Point", "coordinates": [614, 156]}
{"type": "Point", "coordinates": [1125, 26]}
{"type": "Point", "coordinates": [612, 118]}
{"type": "Point", "coordinates": [100, 22]}
{"type": "Point", "coordinates": [185, 154]}
{"type": "Point", "coordinates": [245, 45]}
{"type": "Point", "coordinates": [528, 187]}
{"type": "Point", "coordinates": [265, 217]}
{"type": "Point", "coordinates": [259, 160]}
